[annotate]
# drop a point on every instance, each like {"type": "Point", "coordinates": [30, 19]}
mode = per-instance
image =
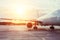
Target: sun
{"type": "Point", "coordinates": [20, 10]}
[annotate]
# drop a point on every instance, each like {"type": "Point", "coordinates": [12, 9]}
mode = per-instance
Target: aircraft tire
{"type": "Point", "coordinates": [52, 28]}
{"type": "Point", "coordinates": [35, 28]}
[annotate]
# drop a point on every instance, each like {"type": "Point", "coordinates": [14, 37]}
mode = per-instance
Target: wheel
{"type": "Point", "coordinates": [35, 28]}
{"type": "Point", "coordinates": [52, 28]}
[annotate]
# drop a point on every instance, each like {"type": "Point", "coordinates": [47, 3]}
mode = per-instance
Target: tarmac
{"type": "Point", "coordinates": [30, 35]}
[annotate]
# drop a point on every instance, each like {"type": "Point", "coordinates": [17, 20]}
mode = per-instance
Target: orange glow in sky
{"type": "Point", "coordinates": [18, 21]}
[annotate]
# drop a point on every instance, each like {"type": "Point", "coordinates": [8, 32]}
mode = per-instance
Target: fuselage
{"type": "Point", "coordinates": [51, 19]}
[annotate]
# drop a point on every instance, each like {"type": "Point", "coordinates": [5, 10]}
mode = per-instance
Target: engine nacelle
{"type": "Point", "coordinates": [29, 25]}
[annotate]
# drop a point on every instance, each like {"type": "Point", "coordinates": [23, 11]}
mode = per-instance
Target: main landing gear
{"type": "Point", "coordinates": [35, 27]}
{"type": "Point", "coordinates": [52, 27]}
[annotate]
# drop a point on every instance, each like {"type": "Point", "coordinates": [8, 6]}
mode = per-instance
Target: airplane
{"type": "Point", "coordinates": [49, 19]}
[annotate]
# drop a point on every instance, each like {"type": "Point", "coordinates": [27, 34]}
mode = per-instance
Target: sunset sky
{"type": "Point", "coordinates": [27, 9]}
